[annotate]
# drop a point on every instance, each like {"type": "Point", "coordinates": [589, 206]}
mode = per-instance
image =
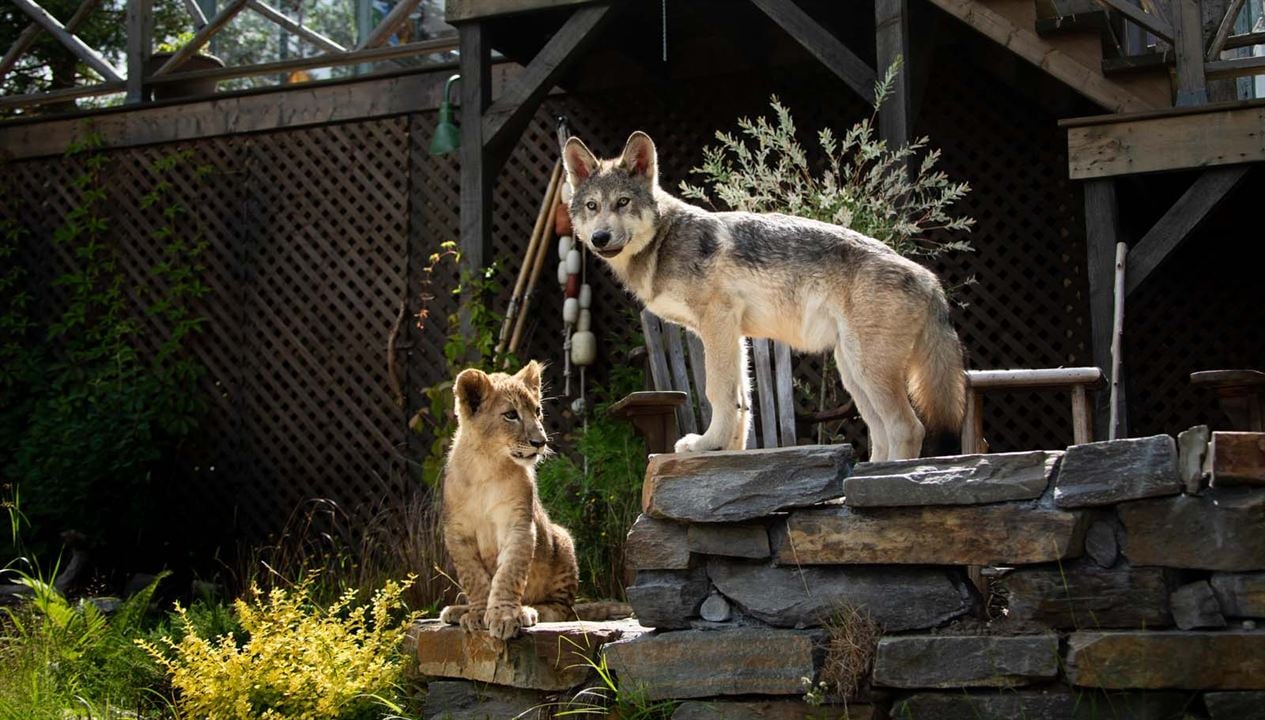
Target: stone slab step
{"type": "Point", "coordinates": [1105, 473]}
{"type": "Point", "coordinates": [955, 661]}
{"type": "Point", "coordinates": [711, 663]}
{"type": "Point", "coordinates": [1215, 530]}
{"type": "Point", "coordinates": [744, 485]}
{"type": "Point", "coordinates": [1001, 534]}
{"type": "Point", "coordinates": [1233, 660]}
{"type": "Point", "coordinates": [960, 480]}
{"type": "Point", "coordinates": [549, 656]}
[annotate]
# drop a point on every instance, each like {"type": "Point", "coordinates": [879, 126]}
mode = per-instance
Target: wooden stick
{"type": "Point", "coordinates": [72, 42]}
{"type": "Point", "coordinates": [1223, 30]}
{"type": "Point", "coordinates": [284, 21]}
{"type": "Point", "coordinates": [394, 19]}
{"type": "Point", "coordinates": [32, 31]}
{"type": "Point", "coordinates": [201, 37]}
{"type": "Point", "coordinates": [534, 244]}
{"type": "Point", "coordinates": [545, 240]}
{"type": "Point", "coordinates": [1117, 336]}
{"type": "Point", "coordinates": [195, 12]}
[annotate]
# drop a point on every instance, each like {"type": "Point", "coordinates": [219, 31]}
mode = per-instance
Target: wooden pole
{"type": "Point", "coordinates": [308, 34]}
{"type": "Point", "coordinates": [1117, 422]}
{"type": "Point", "coordinates": [32, 31]}
{"type": "Point", "coordinates": [1101, 235]}
{"type": "Point", "coordinates": [545, 240]}
{"type": "Point", "coordinates": [72, 42]}
{"type": "Point", "coordinates": [201, 37]}
{"type": "Point", "coordinates": [534, 245]}
{"type": "Point", "coordinates": [140, 44]}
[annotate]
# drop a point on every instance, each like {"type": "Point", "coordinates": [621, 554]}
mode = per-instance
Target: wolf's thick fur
{"type": "Point", "coordinates": [812, 285]}
{"type": "Point", "coordinates": [514, 565]}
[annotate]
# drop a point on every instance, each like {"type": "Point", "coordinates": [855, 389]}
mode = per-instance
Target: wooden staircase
{"type": "Point", "coordinates": [1066, 39]}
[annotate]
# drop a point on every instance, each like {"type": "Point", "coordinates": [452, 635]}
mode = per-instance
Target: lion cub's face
{"type": "Point", "coordinates": [501, 413]}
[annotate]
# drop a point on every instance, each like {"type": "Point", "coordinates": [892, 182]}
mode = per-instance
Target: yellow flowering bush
{"type": "Point", "coordinates": [300, 661]}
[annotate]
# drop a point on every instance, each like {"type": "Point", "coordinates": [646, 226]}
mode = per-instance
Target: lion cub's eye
{"type": "Point", "coordinates": [512, 415]}
{"type": "Point", "coordinates": [622, 202]}
{"type": "Point", "coordinates": [590, 205]}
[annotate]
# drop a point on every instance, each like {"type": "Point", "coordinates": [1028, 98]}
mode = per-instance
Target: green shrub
{"type": "Point", "coordinates": [298, 659]}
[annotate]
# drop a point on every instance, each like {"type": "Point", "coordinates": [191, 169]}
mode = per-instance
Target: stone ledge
{"type": "Point", "coordinates": [702, 663]}
{"type": "Point", "coordinates": [1081, 595]}
{"type": "Point", "coordinates": [1167, 659]}
{"type": "Point", "coordinates": [1216, 530]}
{"type": "Point", "coordinates": [549, 656]}
{"type": "Point", "coordinates": [951, 661]}
{"type": "Point", "coordinates": [1105, 473]}
{"type": "Point", "coordinates": [744, 485]}
{"type": "Point", "coordinates": [959, 480]}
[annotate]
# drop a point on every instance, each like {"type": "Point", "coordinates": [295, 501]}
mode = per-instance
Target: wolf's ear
{"type": "Point", "coordinates": [472, 389]}
{"type": "Point", "coordinates": [530, 375]}
{"type": "Point", "coordinates": [639, 156]}
{"type": "Point", "coordinates": [580, 162]}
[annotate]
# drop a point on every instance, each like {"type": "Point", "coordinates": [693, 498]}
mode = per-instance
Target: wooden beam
{"type": "Point", "coordinates": [1154, 23]}
{"type": "Point", "coordinates": [504, 120]}
{"type": "Point", "coordinates": [1227, 135]}
{"type": "Point", "coordinates": [477, 172]}
{"type": "Point", "coordinates": [1191, 209]}
{"type": "Point", "coordinates": [72, 42]}
{"type": "Point", "coordinates": [1102, 232]}
{"type": "Point", "coordinates": [32, 31]}
{"type": "Point", "coordinates": [1224, 28]}
{"type": "Point", "coordinates": [1188, 45]}
{"type": "Point", "coordinates": [380, 34]}
{"type": "Point", "coordinates": [891, 35]}
{"type": "Point", "coordinates": [1024, 42]}
{"type": "Point", "coordinates": [201, 37]}
{"type": "Point", "coordinates": [1237, 458]}
{"type": "Point", "coordinates": [1034, 378]}
{"type": "Point", "coordinates": [195, 13]}
{"type": "Point", "coordinates": [308, 34]}
{"type": "Point", "coordinates": [458, 11]}
{"type": "Point", "coordinates": [822, 44]}
{"type": "Point", "coordinates": [1238, 67]}
{"type": "Point", "coordinates": [140, 44]}
{"type": "Point", "coordinates": [8, 102]}
{"type": "Point", "coordinates": [1244, 40]}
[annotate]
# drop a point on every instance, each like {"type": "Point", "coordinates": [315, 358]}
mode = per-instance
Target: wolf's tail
{"type": "Point", "coordinates": [937, 380]}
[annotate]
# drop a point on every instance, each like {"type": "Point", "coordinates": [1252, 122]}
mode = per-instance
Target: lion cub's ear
{"type": "Point", "coordinates": [472, 388]}
{"type": "Point", "coordinates": [530, 375]}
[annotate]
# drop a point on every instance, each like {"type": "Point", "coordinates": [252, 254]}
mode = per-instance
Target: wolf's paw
{"type": "Point", "coordinates": [504, 621]}
{"type": "Point", "coordinates": [693, 443]}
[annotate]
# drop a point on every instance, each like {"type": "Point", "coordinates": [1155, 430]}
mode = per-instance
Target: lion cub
{"type": "Point", "coordinates": [515, 566]}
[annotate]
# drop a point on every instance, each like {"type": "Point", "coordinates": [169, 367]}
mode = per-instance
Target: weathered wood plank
{"type": "Point", "coordinates": [824, 46]}
{"type": "Point", "coordinates": [478, 174]}
{"type": "Point", "coordinates": [308, 34]}
{"type": "Point", "coordinates": [1102, 223]}
{"type": "Point", "coordinates": [680, 376]}
{"type": "Point", "coordinates": [72, 42]}
{"type": "Point", "coordinates": [1223, 29]}
{"type": "Point", "coordinates": [785, 394]}
{"type": "Point", "coordinates": [462, 10]}
{"type": "Point", "coordinates": [504, 120]}
{"type": "Point", "coordinates": [1192, 86]}
{"type": "Point", "coordinates": [1237, 458]}
{"type": "Point", "coordinates": [1190, 210]}
{"type": "Point", "coordinates": [698, 365]}
{"type": "Point", "coordinates": [1244, 40]}
{"type": "Point", "coordinates": [202, 37]}
{"type": "Point", "coordinates": [140, 42]}
{"type": "Point", "coordinates": [1154, 23]}
{"type": "Point", "coordinates": [1238, 67]}
{"type": "Point", "coordinates": [1226, 135]}
{"type": "Point", "coordinates": [652, 330]}
{"type": "Point", "coordinates": [1025, 43]}
{"type": "Point", "coordinates": [891, 43]}
{"type": "Point", "coordinates": [764, 390]}
{"type": "Point", "coordinates": [1032, 378]}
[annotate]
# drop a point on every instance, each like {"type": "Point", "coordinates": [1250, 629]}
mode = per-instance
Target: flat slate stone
{"type": "Point", "coordinates": [656, 545]}
{"type": "Point", "coordinates": [1235, 705]}
{"type": "Point", "coordinates": [742, 485]}
{"type": "Point", "coordinates": [898, 598]}
{"type": "Point", "coordinates": [1240, 595]}
{"type": "Point", "coordinates": [1192, 448]}
{"type": "Point", "coordinates": [1194, 606]}
{"type": "Point", "coordinates": [1002, 534]}
{"type": "Point", "coordinates": [1216, 530]}
{"type": "Point", "coordinates": [549, 656]}
{"type": "Point", "coordinates": [667, 599]}
{"type": "Point", "coordinates": [1081, 595]}
{"type": "Point", "coordinates": [1102, 544]}
{"type": "Point", "coordinates": [712, 663]}
{"type": "Point", "coordinates": [961, 480]}
{"type": "Point", "coordinates": [1105, 473]}
{"type": "Point", "coordinates": [464, 700]}
{"type": "Point", "coordinates": [952, 661]}
{"type": "Point", "coordinates": [1167, 659]}
{"type": "Point", "coordinates": [737, 540]}
{"type": "Point", "coordinates": [768, 710]}
{"type": "Point", "coordinates": [1042, 705]}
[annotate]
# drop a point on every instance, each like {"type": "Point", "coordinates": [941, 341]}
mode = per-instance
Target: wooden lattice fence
{"type": "Point", "coordinates": [317, 235]}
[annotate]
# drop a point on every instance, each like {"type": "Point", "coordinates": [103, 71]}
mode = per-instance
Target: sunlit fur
{"type": "Point", "coordinates": [514, 565]}
{"type": "Point", "coordinates": [815, 286]}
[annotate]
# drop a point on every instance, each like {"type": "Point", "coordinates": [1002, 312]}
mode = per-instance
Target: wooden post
{"type": "Point", "coordinates": [1188, 45]}
{"type": "Point", "coordinates": [891, 35]}
{"type": "Point", "coordinates": [1082, 416]}
{"type": "Point", "coordinates": [1102, 223]}
{"type": "Point", "coordinates": [476, 172]}
{"type": "Point", "coordinates": [140, 44]}
{"type": "Point", "coordinates": [1118, 427]}
{"type": "Point", "coordinates": [973, 423]}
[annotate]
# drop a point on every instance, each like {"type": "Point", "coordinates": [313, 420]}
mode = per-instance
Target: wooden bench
{"type": "Point", "coordinates": [1081, 381]}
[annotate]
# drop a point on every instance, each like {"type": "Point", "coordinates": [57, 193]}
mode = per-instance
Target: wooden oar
{"type": "Point", "coordinates": [546, 241]}
{"type": "Point", "coordinates": [534, 248]}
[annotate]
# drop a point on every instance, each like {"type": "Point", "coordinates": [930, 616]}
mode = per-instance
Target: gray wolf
{"type": "Point", "coordinates": [815, 286]}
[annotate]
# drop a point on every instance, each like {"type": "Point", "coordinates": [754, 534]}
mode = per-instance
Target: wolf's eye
{"type": "Point", "coordinates": [590, 205]}
{"type": "Point", "coordinates": [512, 415]}
{"type": "Point", "coordinates": [622, 202]}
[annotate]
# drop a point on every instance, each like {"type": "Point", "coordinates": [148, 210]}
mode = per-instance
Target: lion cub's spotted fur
{"type": "Point", "coordinates": [514, 565]}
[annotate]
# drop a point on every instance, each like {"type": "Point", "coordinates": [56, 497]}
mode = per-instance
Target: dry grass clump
{"type": "Point", "coordinates": [852, 636]}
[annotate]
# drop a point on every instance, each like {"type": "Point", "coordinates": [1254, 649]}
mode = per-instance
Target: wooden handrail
{"type": "Point", "coordinates": [1033, 378]}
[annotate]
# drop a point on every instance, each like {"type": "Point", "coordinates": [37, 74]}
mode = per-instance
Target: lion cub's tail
{"type": "Point", "coordinates": [605, 610]}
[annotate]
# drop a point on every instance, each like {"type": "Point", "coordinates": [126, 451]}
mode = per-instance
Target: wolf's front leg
{"type": "Point", "coordinates": [505, 613]}
{"type": "Point", "coordinates": [726, 368]}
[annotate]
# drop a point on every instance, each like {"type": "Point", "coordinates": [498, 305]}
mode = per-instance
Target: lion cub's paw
{"type": "Point", "coordinates": [693, 443]}
{"type": "Point", "coordinates": [469, 617]}
{"type": "Point", "coordinates": [503, 622]}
